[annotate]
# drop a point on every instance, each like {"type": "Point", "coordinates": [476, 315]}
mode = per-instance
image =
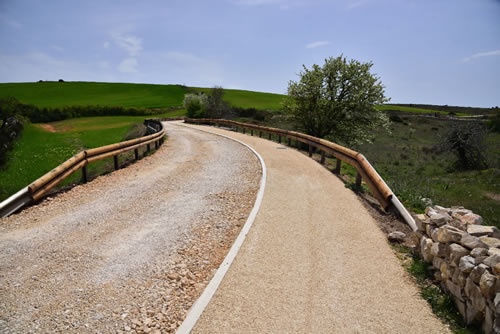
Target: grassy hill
{"type": "Point", "coordinates": [58, 94]}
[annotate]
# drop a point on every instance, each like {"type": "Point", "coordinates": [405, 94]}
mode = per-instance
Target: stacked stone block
{"type": "Point", "coordinates": [466, 259]}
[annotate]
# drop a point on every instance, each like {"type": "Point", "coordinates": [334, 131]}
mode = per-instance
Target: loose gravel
{"type": "Point", "coordinates": [132, 250]}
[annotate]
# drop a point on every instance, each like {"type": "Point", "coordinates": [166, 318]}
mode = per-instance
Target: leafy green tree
{"type": "Point", "coordinates": [337, 100]}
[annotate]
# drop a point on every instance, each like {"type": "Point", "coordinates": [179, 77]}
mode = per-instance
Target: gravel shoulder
{"type": "Point", "coordinates": [129, 251]}
{"type": "Point", "coordinates": [315, 261]}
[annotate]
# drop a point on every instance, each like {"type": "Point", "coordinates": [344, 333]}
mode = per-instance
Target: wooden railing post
{"type": "Point", "coordinates": [289, 142]}
{"type": "Point", "coordinates": [358, 180]}
{"type": "Point", "coordinates": [136, 153]}
{"type": "Point", "coordinates": [270, 137]}
{"type": "Point", "coordinates": [251, 132]}
{"type": "Point", "coordinates": [115, 160]}
{"type": "Point", "coordinates": [148, 148]}
{"type": "Point", "coordinates": [322, 157]}
{"type": "Point", "coordinates": [156, 144]}
{"type": "Point", "coordinates": [85, 176]}
{"type": "Point", "coordinates": [338, 166]}
{"type": "Point", "coordinates": [260, 134]}
{"type": "Point", "coordinates": [279, 139]}
{"type": "Point", "coordinates": [244, 130]}
{"type": "Point", "coordinates": [310, 150]}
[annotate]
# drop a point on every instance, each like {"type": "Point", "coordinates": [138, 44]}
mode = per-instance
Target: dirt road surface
{"type": "Point", "coordinates": [314, 261]}
{"type": "Point", "coordinates": [131, 250]}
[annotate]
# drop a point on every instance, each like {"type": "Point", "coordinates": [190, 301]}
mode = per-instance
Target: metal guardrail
{"type": "Point", "coordinates": [44, 184]}
{"type": "Point", "coordinates": [365, 170]}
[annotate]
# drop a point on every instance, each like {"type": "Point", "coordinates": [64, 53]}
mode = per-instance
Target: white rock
{"type": "Point", "coordinates": [397, 236]}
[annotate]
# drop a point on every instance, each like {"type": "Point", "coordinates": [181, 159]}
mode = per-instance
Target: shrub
{"type": "Point", "coordinates": [467, 141]}
{"type": "Point", "coordinates": [396, 118]}
{"type": "Point", "coordinates": [194, 104]}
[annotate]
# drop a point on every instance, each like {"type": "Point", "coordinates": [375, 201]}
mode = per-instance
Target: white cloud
{"type": "Point", "coordinates": [106, 45]}
{"type": "Point", "coordinates": [129, 43]}
{"type": "Point", "coordinates": [317, 44]}
{"type": "Point", "coordinates": [128, 65]}
{"type": "Point", "coordinates": [481, 54]}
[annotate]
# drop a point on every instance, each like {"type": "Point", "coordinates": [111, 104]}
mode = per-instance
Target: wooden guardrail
{"type": "Point", "coordinates": [47, 182]}
{"type": "Point", "coordinates": [365, 170]}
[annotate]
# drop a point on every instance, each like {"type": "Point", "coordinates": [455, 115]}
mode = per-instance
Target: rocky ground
{"type": "Point", "coordinates": [132, 250]}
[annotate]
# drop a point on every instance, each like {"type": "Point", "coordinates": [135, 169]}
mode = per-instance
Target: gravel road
{"type": "Point", "coordinates": [315, 261]}
{"type": "Point", "coordinates": [132, 250]}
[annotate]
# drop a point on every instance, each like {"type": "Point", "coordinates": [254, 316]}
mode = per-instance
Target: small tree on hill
{"type": "Point", "coordinates": [215, 106]}
{"type": "Point", "coordinates": [337, 100]}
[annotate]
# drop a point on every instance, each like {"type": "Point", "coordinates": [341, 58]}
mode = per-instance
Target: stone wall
{"type": "Point", "coordinates": [466, 258]}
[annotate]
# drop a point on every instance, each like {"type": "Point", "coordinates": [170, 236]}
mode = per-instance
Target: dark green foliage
{"type": "Point", "coordinates": [194, 109]}
{"type": "Point", "coordinates": [257, 114]}
{"type": "Point", "coordinates": [467, 141]}
{"type": "Point", "coordinates": [396, 118]}
{"type": "Point", "coordinates": [45, 115]}
{"type": "Point", "coordinates": [10, 126]}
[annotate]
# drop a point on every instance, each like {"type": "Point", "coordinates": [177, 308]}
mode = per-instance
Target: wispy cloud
{"type": "Point", "coordinates": [128, 65]}
{"type": "Point", "coordinates": [132, 45]}
{"type": "Point", "coordinates": [129, 43]}
{"type": "Point", "coordinates": [317, 44]}
{"type": "Point", "coordinates": [481, 54]}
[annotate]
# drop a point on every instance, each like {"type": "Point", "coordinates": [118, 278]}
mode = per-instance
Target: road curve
{"type": "Point", "coordinates": [314, 261]}
{"type": "Point", "coordinates": [107, 256]}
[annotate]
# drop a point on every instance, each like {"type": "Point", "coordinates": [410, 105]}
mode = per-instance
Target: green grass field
{"type": "Point", "coordinates": [249, 99]}
{"type": "Point", "coordinates": [58, 94]}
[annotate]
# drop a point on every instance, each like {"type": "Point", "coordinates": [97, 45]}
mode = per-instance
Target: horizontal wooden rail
{"type": "Point", "coordinates": [366, 172]}
{"type": "Point", "coordinates": [47, 182]}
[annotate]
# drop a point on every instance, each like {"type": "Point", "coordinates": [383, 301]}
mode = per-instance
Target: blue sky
{"type": "Point", "coordinates": [425, 51]}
